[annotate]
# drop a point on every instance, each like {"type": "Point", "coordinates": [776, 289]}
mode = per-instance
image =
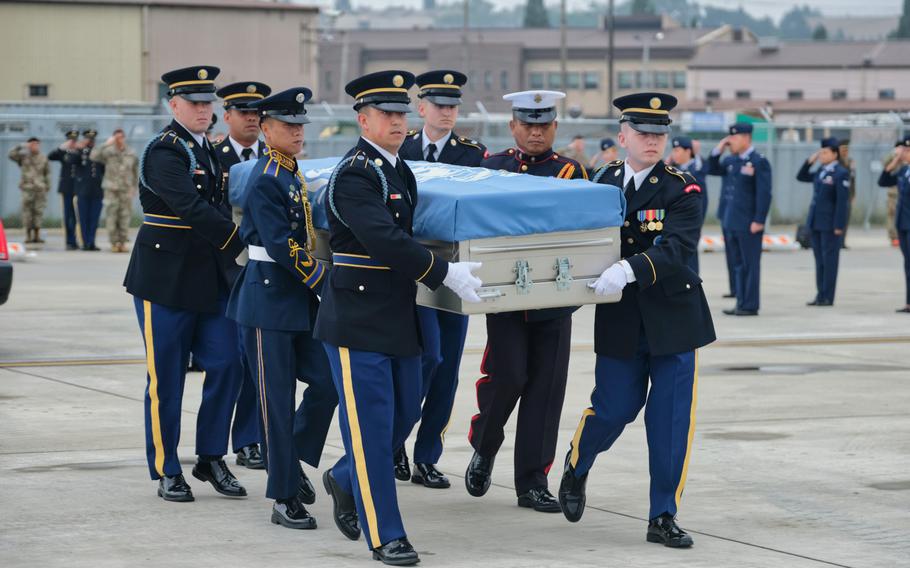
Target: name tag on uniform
{"type": "Point", "coordinates": [394, 196]}
{"type": "Point", "coordinates": [747, 170]}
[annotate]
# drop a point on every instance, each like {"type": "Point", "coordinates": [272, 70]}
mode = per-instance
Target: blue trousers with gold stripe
{"type": "Point", "coordinates": [621, 390]}
{"type": "Point", "coordinates": [443, 344]}
{"type": "Point", "coordinates": [379, 403]}
{"type": "Point", "coordinates": [279, 359]}
{"type": "Point", "coordinates": [169, 335]}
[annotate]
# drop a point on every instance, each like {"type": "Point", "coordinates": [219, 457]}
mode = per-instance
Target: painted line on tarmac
{"type": "Point", "coordinates": [71, 362]}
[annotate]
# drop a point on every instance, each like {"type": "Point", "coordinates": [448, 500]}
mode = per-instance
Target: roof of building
{"type": "Point", "coordinates": [804, 54]}
{"type": "Point", "coordinates": [230, 4]}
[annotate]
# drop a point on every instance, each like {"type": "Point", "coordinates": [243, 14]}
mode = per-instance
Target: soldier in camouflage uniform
{"type": "Point", "coordinates": [119, 184]}
{"type": "Point", "coordinates": [34, 183]}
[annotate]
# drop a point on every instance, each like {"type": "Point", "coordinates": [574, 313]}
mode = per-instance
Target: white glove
{"type": "Point", "coordinates": [611, 282]}
{"type": "Point", "coordinates": [460, 280]}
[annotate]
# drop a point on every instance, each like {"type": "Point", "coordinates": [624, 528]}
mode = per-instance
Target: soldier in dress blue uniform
{"type": "Point", "coordinates": [527, 354]}
{"type": "Point", "coordinates": [828, 215]}
{"type": "Point", "coordinates": [684, 158]}
{"type": "Point", "coordinates": [241, 144]}
{"type": "Point", "coordinates": [88, 190]}
{"type": "Point", "coordinates": [368, 317]}
{"type": "Point", "coordinates": [653, 332]}
{"type": "Point", "coordinates": [68, 156]}
{"type": "Point", "coordinates": [897, 172]}
{"type": "Point", "coordinates": [443, 332]}
{"type": "Point", "coordinates": [746, 193]}
{"type": "Point", "coordinates": [275, 302]}
{"type": "Point", "coordinates": [177, 276]}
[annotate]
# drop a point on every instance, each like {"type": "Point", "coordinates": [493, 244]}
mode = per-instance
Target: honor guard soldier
{"type": "Point", "coordinates": [897, 172]}
{"type": "Point", "coordinates": [368, 317]}
{"type": "Point", "coordinates": [443, 332]}
{"type": "Point", "coordinates": [67, 155]}
{"type": "Point", "coordinates": [177, 277]}
{"type": "Point", "coordinates": [684, 158]}
{"type": "Point", "coordinates": [652, 333]}
{"type": "Point", "coordinates": [88, 190]}
{"type": "Point", "coordinates": [241, 144]}
{"type": "Point", "coordinates": [527, 354]}
{"type": "Point", "coordinates": [275, 303]}
{"type": "Point", "coordinates": [828, 215]}
{"type": "Point", "coordinates": [746, 195]}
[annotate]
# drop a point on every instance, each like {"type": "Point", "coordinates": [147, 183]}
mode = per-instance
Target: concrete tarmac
{"type": "Point", "coordinates": [801, 453]}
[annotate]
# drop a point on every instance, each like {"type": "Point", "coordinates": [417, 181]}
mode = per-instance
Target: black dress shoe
{"type": "Point", "coordinates": [250, 457]}
{"type": "Point", "coordinates": [398, 552]}
{"type": "Point", "coordinates": [729, 295]}
{"type": "Point", "coordinates": [572, 493]}
{"type": "Point", "coordinates": [175, 488]}
{"type": "Point", "coordinates": [72, 247]}
{"type": "Point", "coordinates": [904, 310]}
{"type": "Point", "coordinates": [824, 303]}
{"type": "Point", "coordinates": [344, 510]}
{"type": "Point", "coordinates": [738, 312]}
{"type": "Point", "coordinates": [665, 531]}
{"type": "Point", "coordinates": [540, 499]}
{"type": "Point", "coordinates": [305, 491]}
{"type": "Point", "coordinates": [292, 514]}
{"type": "Point", "coordinates": [427, 475]}
{"type": "Point", "coordinates": [402, 467]}
{"type": "Point", "coordinates": [477, 478]}
{"type": "Point", "coordinates": [813, 302]}
{"type": "Point", "coordinates": [217, 473]}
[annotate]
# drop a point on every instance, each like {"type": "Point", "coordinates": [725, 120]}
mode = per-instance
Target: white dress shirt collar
{"type": "Point", "coordinates": [745, 155]}
{"type": "Point", "coordinates": [239, 148]}
{"type": "Point", "coordinates": [629, 173]}
{"type": "Point", "coordinates": [440, 144]}
{"type": "Point", "coordinates": [199, 138]}
{"type": "Point", "coordinates": [392, 158]}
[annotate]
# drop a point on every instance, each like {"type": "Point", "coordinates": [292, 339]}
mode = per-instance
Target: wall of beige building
{"type": "Point", "coordinates": [79, 52]}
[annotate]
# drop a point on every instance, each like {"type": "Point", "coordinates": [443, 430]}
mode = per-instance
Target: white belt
{"type": "Point", "coordinates": [260, 254]}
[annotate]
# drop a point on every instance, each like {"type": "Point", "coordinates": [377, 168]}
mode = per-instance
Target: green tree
{"type": "Point", "coordinates": [536, 15]}
{"type": "Point", "coordinates": [820, 33]}
{"type": "Point", "coordinates": [642, 7]}
{"type": "Point", "coordinates": [903, 26]}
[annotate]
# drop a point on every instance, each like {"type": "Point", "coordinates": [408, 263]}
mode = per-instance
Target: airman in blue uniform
{"type": "Point", "coordinates": [443, 333]}
{"type": "Point", "coordinates": [241, 144]}
{"type": "Point", "coordinates": [275, 302]}
{"type": "Point", "coordinates": [652, 334]}
{"type": "Point", "coordinates": [178, 278]}
{"type": "Point", "coordinates": [368, 318]}
{"type": "Point", "coordinates": [526, 362]}
{"type": "Point", "coordinates": [68, 156]}
{"type": "Point", "coordinates": [828, 215]}
{"type": "Point", "coordinates": [746, 195]}
{"type": "Point", "coordinates": [897, 172]}
{"type": "Point", "coordinates": [684, 158]}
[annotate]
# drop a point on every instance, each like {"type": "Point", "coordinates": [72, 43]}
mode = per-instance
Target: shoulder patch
{"type": "Point", "coordinates": [692, 188]}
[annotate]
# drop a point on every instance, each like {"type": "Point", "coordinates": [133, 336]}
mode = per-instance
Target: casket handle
{"type": "Point", "coordinates": [490, 294]}
{"type": "Point", "coordinates": [541, 246]}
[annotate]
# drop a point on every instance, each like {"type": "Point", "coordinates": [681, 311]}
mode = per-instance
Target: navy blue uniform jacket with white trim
{"type": "Point", "coordinates": [375, 309]}
{"type": "Point", "coordinates": [666, 297]}
{"type": "Point", "coordinates": [183, 267]}
{"type": "Point", "coordinates": [278, 295]}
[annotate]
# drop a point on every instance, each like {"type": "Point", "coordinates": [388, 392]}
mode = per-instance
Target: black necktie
{"type": "Point", "coordinates": [630, 188]}
{"type": "Point", "coordinates": [431, 152]}
{"type": "Point", "coordinates": [246, 153]}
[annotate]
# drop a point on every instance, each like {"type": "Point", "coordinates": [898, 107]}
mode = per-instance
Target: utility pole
{"type": "Point", "coordinates": [610, 26]}
{"type": "Point", "coordinates": [563, 56]}
{"type": "Point", "coordinates": [464, 38]}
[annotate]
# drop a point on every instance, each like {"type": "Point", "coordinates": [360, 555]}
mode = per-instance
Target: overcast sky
{"type": "Point", "coordinates": [759, 8]}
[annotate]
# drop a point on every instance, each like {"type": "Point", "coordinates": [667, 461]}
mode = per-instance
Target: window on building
{"type": "Point", "coordinates": [662, 79]}
{"type": "Point", "coordinates": [488, 80]}
{"type": "Point", "coordinates": [327, 81]}
{"type": "Point", "coordinates": [535, 80]}
{"type": "Point", "coordinates": [554, 80]}
{"type": "Point", "coordinates": [712, 94]}
{"type": "Point", "coordinates": [743, 95]}
{"type": "Point", "coordinates": [573, 80]}
{"type": "Point", "coordinates": [640, 79]}
{"type": "Point", "coordinates": [838, 94]}
{"type": "Point", "coordinates": [38, 90]}
{"type": "Point", "coordinates": [795, 95]}
{"type": "Point", "coordinates": [679, 79]}
{"type": "Point", "coordinates": [886, 94]}
{"type": "Point", "coordinates": [504, 81]}
{"type": "Point", "coordinates": [592, 80]}
{"type": "Point", "coordinates": [625, 79]}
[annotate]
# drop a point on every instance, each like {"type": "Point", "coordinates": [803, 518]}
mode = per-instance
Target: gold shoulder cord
{"type": "Point", "coordinates": [308, 215]}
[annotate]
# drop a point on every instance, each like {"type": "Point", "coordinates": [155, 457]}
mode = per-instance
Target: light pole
{"type": "Point", "coordinates": [646, 57]}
